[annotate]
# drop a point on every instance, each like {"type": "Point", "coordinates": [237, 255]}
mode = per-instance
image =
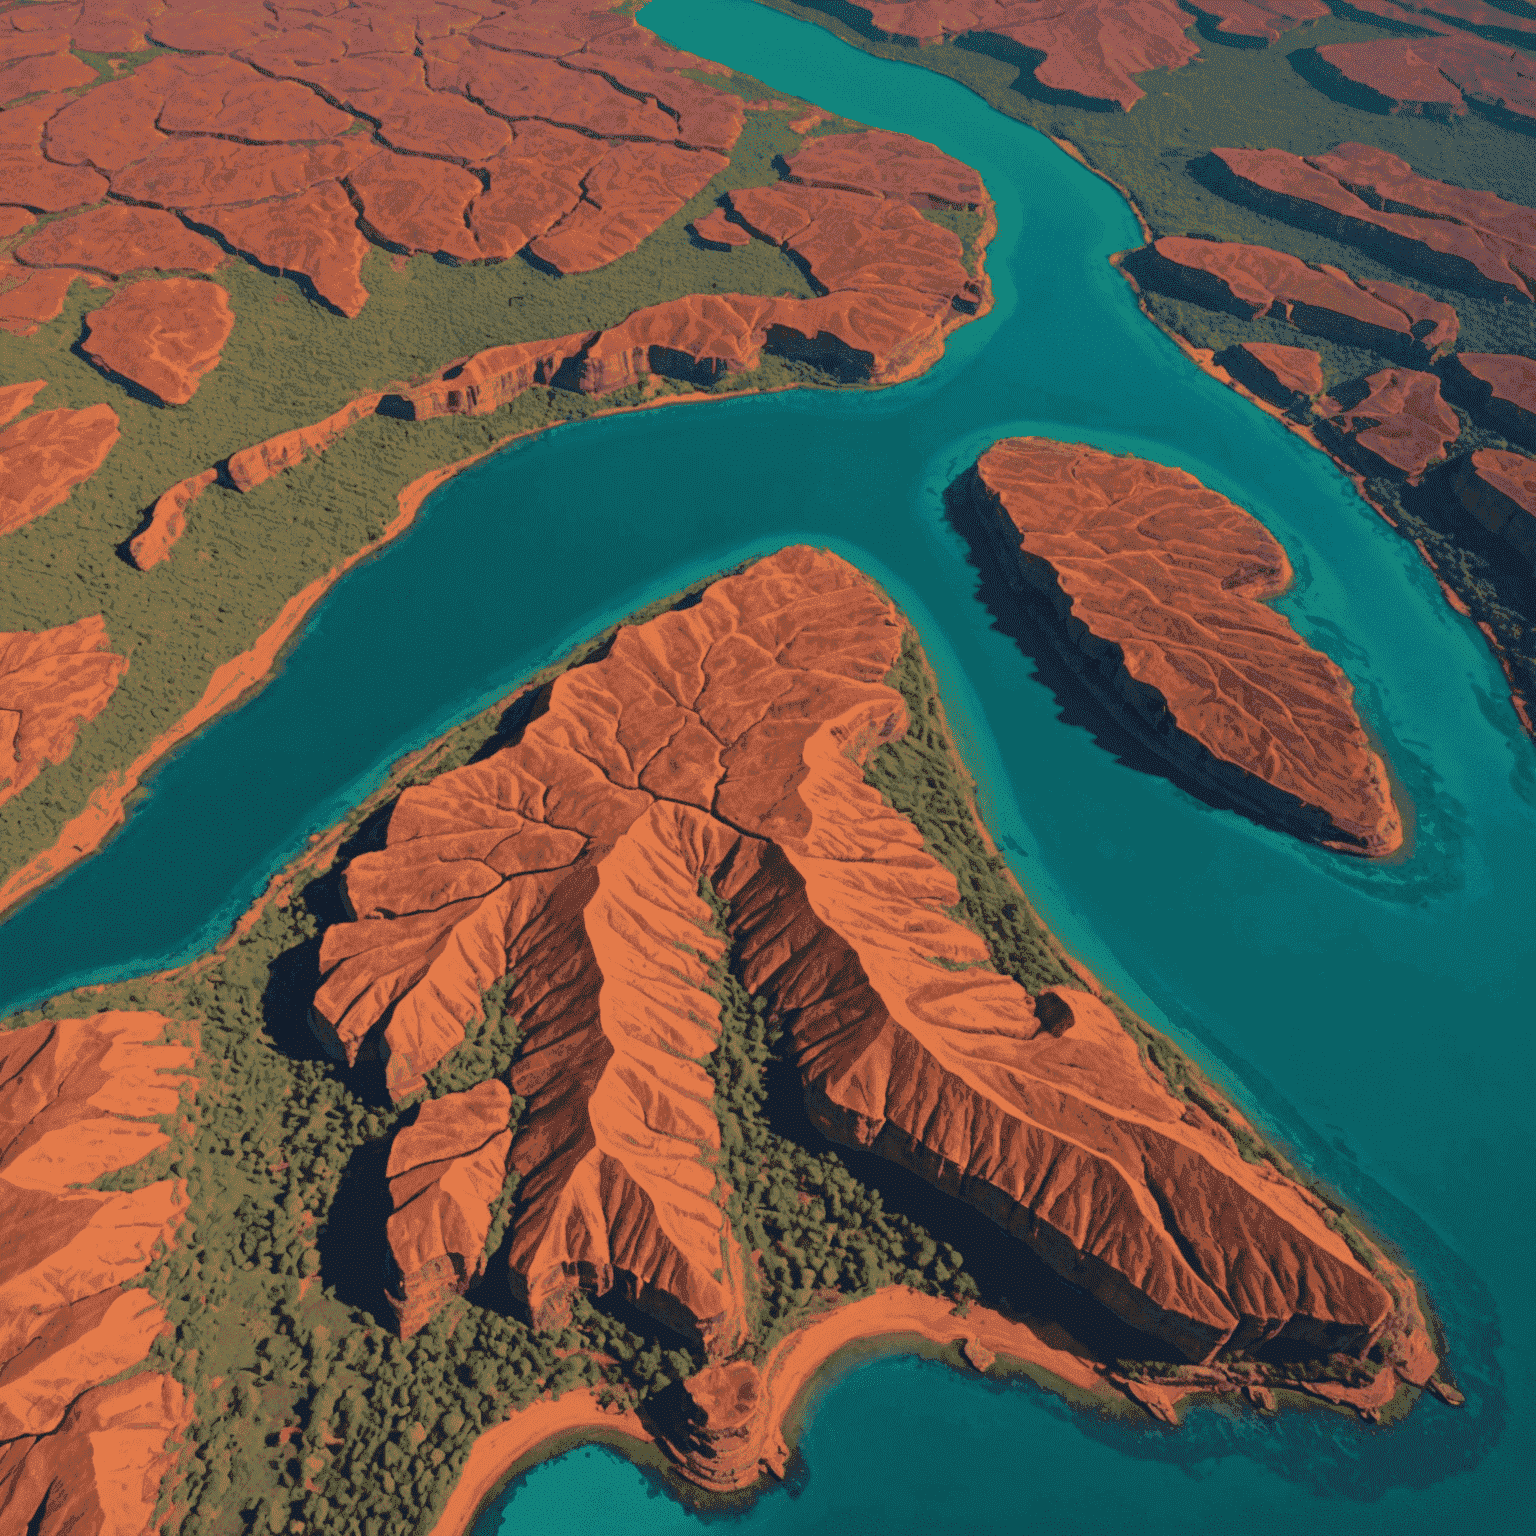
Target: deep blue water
{"type": "Point", "coordinates": [1373, 1017]}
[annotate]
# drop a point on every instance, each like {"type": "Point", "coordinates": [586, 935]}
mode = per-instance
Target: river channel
{"type": "Point", "coordinates": [1375, 1018]}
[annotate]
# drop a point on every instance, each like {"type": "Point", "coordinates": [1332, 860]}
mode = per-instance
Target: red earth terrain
{"type": "Point", "coordinates": [1253, 280]}
{"type": "Point", "coordinates": [1437, 76]}
{"type": "Point", "coordinates": [115, 239]}
{"type": "Point", "coordinates": [78, 1099]}
{"type": "Point", "coordinates": [1499, 490]}
{"type": "Point", "coordinates": [15, 398]}
{"type": "Point", "coordinates": [717, 228]}
{"type": "Point", "coordinates": [1402, 422]}
{"type": "Point", "coordinates": [1284, 375]}
{"type": "Point", "coordinates": [163, 335]}
{"type": "Point", "coordinates": [45, 456]}
{"type": "Point", "coordinates": [51, 682]}
{"type": "Point", "coordinates": [445, 1171]}
{"type": "Point", "coordinates": [1158, 587]}
{"type": "Point", "coordinates": [725, 742]}
{"type": "Point", "coordinates": [168, 520]}
{"type": "Point", "coordinates": [1465, 239]}
{"type": "Point", "coordinates": [1503, 384]}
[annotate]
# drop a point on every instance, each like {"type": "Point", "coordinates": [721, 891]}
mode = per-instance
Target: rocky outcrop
{"type": "Point", "coordinates": [51, 682]}
{"type": "Point", "coordinates": [1501, 387]}
{"type": "Point", "coordinates": [1287, 376]}
{"type": "Point", "coordinates": [162, 335]}
{"type": "Point", "coordinates": [257, 464]}
{"type": "Point", "coordinates": [1373, 199]}
{"type": "Point", "coordinates": [726, 1436]}
{"type": "Point", "coordinates": [99, 1473]}
{"type": "Point", "coordinates": [1154, 588]}
{"type": "Point", "coordinates": [725, 741]}
{"type": "Point", "coordinates": [1438, 76]}
{"type": "Point", "coordinates": [445, 1171]}
{"type": "Point", "coordinates": [78, 1099]}
{"type": "Point", "coordinates": [16, 398]}
{"type": "Point", "coordinates": [168, 520]}
{"type": "Point", "coordinates": [30, 299]}
{"type": "Point", "coordinates": [1252, 280]}
{"type": "Point", "coordinates": [1400, 424]}
{"type": "Point", "coordinates": [115, 239]}
{"type": "Point", "coordinates": [877, 163]}
{"type": "Point", "coordinates": [44, 457]}
{"type": "Point", "coordinates": [718, 229]}
{"type": "Point", "coordinates": [1499, 490]}
{"type": "Point", "coordinates": [313, 235]}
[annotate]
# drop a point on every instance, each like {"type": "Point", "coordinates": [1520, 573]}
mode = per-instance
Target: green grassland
{"type": "Point", "coordinates": [291, 361]}
{"type": "Point", "coordinates": [275, 1285]}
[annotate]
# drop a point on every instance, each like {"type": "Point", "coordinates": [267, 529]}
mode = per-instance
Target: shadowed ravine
{"type": "Point", "coordinates": [1370, 1017]}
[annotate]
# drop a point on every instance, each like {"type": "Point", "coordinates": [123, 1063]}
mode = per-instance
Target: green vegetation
{"type": "Point", "coordinates": [289, 362]}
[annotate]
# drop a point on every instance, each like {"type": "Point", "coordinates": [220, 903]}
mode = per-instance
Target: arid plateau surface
{"type": "Point", "coordinates": [662, 1022]}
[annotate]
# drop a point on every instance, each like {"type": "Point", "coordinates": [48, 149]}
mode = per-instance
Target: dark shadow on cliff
{"type": "Point", "coordinates": [353, 1243]}
{"type": "Point", "coordinates": [1322, 76]}
{"type": "Point", "coordinates": [1023, 623]}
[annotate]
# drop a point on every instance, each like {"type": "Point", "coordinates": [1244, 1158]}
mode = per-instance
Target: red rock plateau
{"type": "Point", "coordinates": [1503, 386]}
{"type": "Point", "coordinates": [45, 456]}
{"type": "Point", "coordinates": [1284, 375]}
{"type": "Point", "coordinates": [1499, 490]}
{"type": "Point", "coordinates": [168, 520]}
{"type": "Point", "coordinates": [726, 741]}
{"type": "Point", "coordinates": [1401, 423]}
{"type": "Point", "coordinates": [162, 335]}
{"type": "Point", "coordinates": [445, 1170]}
{"type": "Point", "coordinates": [115, 239]}
{"type": "Point", "coordinates": [1472, 240]}
{"type": "Point", "coordinates": [717, 228]}
{"type": "Point", "coordinates": [1252, 280]}
{"type": "Point", "coordinates": [51, 682]}
{"type": "Point", "coordinates": [1092, 48]}
{"type": "Point", "coordinates": [16, 398]}
{"type": "Point", "coordinates": [77, 1097]}
{"type": "Point", "coordinates": [1158, 589]}
{"type": "Point", "coordinates": [1438, 76]}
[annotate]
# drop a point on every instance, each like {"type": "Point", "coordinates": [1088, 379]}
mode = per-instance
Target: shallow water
{"type": "Point", "coordinates": [1373, 1017]}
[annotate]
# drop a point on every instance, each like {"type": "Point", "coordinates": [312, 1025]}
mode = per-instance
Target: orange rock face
{"type": "Point", "coordinates": [163, 335]}
{"type": "Point", "coordinates": [314, 235]}
{"type": "Point", "coordinates": [44, 457]}
{"type": "Point", "coordinates": [1158, 585]}
{"type": "Point", "coordinates": [890, 165]}
{"type": "Point", "coordinates": [1499, 490]}
{"type": "Point", "coordinates": [74, 1097]}
{"type": "Point", "coordinates": [1437, 76]}
{"type": "Point", "coordinates": [716, 228]}
{"type": "Point", "coordinates": [1466, 239]}
{"type": "Point", "coordinates": [726, 741]}
{"type": "Point", "coordinates": [115, 239]}
{"type": "Point", "coordinates": [99, 1473]}
{"type": "Point", "coordinates": [445, 1170]}
{"type": "Point", "coordinates": [168, 520]}
{"type": "Point", "coordinates": [51, 682]}
{"type": "Point", "coordinates": [255, 465]}
{"type": "Point", "coordinates": [15, 398]}
{"type": "Point", "coordinates": [1286, 375]}
{"type": "Point", "coordinates": [29, 299]}
{"type": "Point", "coordinates": [1252, 280]}
{"type": "Point", "coordinates": [1402, 423]}
{"type": "Point", "coordinates": [1504, 385]}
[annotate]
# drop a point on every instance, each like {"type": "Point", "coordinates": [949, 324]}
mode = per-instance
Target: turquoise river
{"type": "Point", "coordinates": [1376, 1019]}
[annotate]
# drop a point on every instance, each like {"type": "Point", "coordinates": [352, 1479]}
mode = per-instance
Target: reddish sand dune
{"type": "Point", "coordinates": [716, 228]}
{"type": "Point", "coordinates": [627, 195]}
{"type": "Point", "coordinates": [1499, 490]}
{"type": "Point", "coordinates": [168, 520]}
{"type": "Point", "coordinates": [99, 1473]}
{"type": "Point", "coordinates": [1092, 48]}
{"type": "Point", "coordinates": [313, 235]}
{"type": "Point", "coordinates": [726, 741]}
{"type": "Point", "coordinates": [115, 239]}
{"type": "Point", "coordinates": [888, 165]}
{"type": "Point", "coordinates": [16, 398]}
{"type": "Point", "coordinates": [1436, 76]}
{"type": "Point", "coordinates": [1286, 375]}
{"type": "Point", "coordinates": [51, 682]}
{"type": "Point", "coordinates": [1252, 280]}
{"type": "Point", "coordinates": [75, 1100]}
{"type": "Point", "coordinates": [1504, 385]}
{"type": "Point", "coordinates": [1466, 239]}
{"type": "Point", "coordinates": [445, 1170]}
{"type": "Point", "coordinates": [44, 457]}
{"type": "Point", "coordinates": [1402, 423]}
{"type": "Point", "coordinates": [164, 335]}
{"type": "Point", "coordinates": [1160, 584]}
